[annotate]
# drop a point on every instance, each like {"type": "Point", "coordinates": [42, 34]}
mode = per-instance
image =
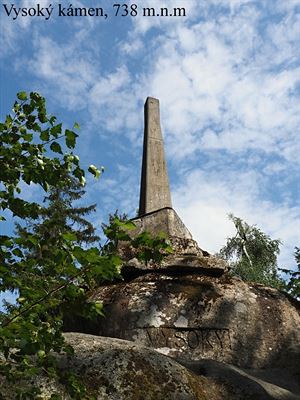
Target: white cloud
{"type": "Point", "coordinates": [218, 79]}
{"type": "Point", "coordinates": [228, 83]}
{"type": "Point", "coordinates": [69, 73]}
{"type": "Point", "coordinates": [205, 200]}
{"type": "Point", "coordinates": [216, 85]}
{"type": "Point", "coordinates": [112, 95]}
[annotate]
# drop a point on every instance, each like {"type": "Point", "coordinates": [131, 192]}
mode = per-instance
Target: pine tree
{"type": "Point", "coordinates": [61, 216]}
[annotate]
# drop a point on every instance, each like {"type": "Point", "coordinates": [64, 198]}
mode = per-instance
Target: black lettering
{"type": "Point", "coordinates": [179, 12]}
{"type": "Point", "coordinates": [31, 12]}
{"type": "Point", "coordinates": [182, 339]}
{"type": "Point", "coordinates": [205, 334]}
{"type": "Point", "coordinates": [219, 338]}
{"type": "Point", "coordinates": [121, 10]}
{"type": "Point", "coordinates": [125, 10]}
{"type": "Point", "coordinates": [149, 336]}
{"type": "Point", "coordinates": [61, 11]}
{"type": "Point", "coordinates": [99, 12]}
{"type": "Point", "coordinates": [164, 12]}
{"type": "Point", "coordinates": [80, 12]}
{"type": "Point", "coordinates": [133, 11]}
{"type": "Point", "coordinates": [70, 11]}
{"type": "Point", "coordinates": [117, 7]}
{"type": "Point", "coordinates": [165, 338]}
{"type": "Point", "coordinates": [24, 12]}
{"type": "Point", "coordinates": [193, 339]}
{"type": "Point", "coordinates": [8, 11]}
{"type": "Point", "coordinates": [148, 12]}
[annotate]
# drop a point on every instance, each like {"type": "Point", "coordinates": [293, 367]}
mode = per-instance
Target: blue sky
{"type": "Point", "coordinates": [228, 79]}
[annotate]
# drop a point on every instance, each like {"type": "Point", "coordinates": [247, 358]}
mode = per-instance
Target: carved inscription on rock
{"type": "Point", "coordinates": [201, 340]}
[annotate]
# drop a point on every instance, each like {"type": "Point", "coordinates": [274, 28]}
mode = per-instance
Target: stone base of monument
{"type": "Point", "coordinates": [165, 220]}
{"type": "Point", "coordinates": [178, 263]}
{"type": "Point", "coordinates": [194, 317]}
{"type": "Point", "coordinates": [186, 255]}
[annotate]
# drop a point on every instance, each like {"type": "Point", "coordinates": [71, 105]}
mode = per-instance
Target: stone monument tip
{"type": "Point", "coordinates": [151, 99]}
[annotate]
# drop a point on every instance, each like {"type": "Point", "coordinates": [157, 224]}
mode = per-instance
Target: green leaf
{"type": "Point", "coordinates": [17, 252]}
{"type": "Point", "coordinates": [70, 138]}
{"type": "Point", "coordinates": [70, 237]}
{"type": "Point", "coordinates": [98, 307]}
{"type": "Point", "coordinates": [21, 300]}
{"type": "Point", "coordinates": [32, 240]}
{"type": "Point", "coordinates": [76, 126]}
{"type": "Point", "coordinates": [92, 255]}
{"type": "Point", "coordinates": [28, 137]}
{"type": "Point", "coordinates": [95, 171]}
{"type": "Point", "coordinates": [8, 121]}
{"type": "Point", "coordinates": [56, 130]}
{"type": "Point", "coordinates": [79, 173]}
{"type": "Point", "coordinates": [82, 181]}
{"type": "Point", "coordinates": [45, 185]}
{"type": "Point", "coordinates": [42, 117]}
{"type": "Point", "coordinates": [52, 120]}
{"type": "Point", "coordinates": [41, 354]}
{"type": "Point", "coordinates": [79, 253]}
{"type": "Point", "coordinates": [45, 135]}
{"type": "Point", "coordinates": [22, 96]}
{"type": "Point", "coordinates": [56, 147]}
{"type": "Point", "coordinates": [35, 96]}
{"type": "Point", "coordinates": [28, 109]}
{"type": "Point", "coordinates": [127, 225]}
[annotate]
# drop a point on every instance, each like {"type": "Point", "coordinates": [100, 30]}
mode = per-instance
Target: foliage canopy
{"type": "Point", "coordinates": [252, 254]}
{"type": "Point", "coordinates": [51, 273]}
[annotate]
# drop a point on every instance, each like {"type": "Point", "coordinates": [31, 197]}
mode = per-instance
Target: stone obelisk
{"type": "Point", "coordinates": [156, 214]}
{"type": "Point", "coordinates": [155, 189]}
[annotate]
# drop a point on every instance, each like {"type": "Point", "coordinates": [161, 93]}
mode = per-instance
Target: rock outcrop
{"type": "Point", "coordinates": [196, 316]}
{"type": "Point", "coordinates": [113, 369]}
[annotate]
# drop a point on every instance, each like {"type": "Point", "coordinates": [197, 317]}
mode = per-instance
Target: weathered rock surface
{"type": "Point", "coordinates": [114, 369]}
{"type": "Point", "coordinates": [186, 255]}
{"type": "Point", "coordinates": [117, 369]}
{"type": "Point", "coordinates": [261, 384]}
{"type": "Point", "coordinates": [196, 316]}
